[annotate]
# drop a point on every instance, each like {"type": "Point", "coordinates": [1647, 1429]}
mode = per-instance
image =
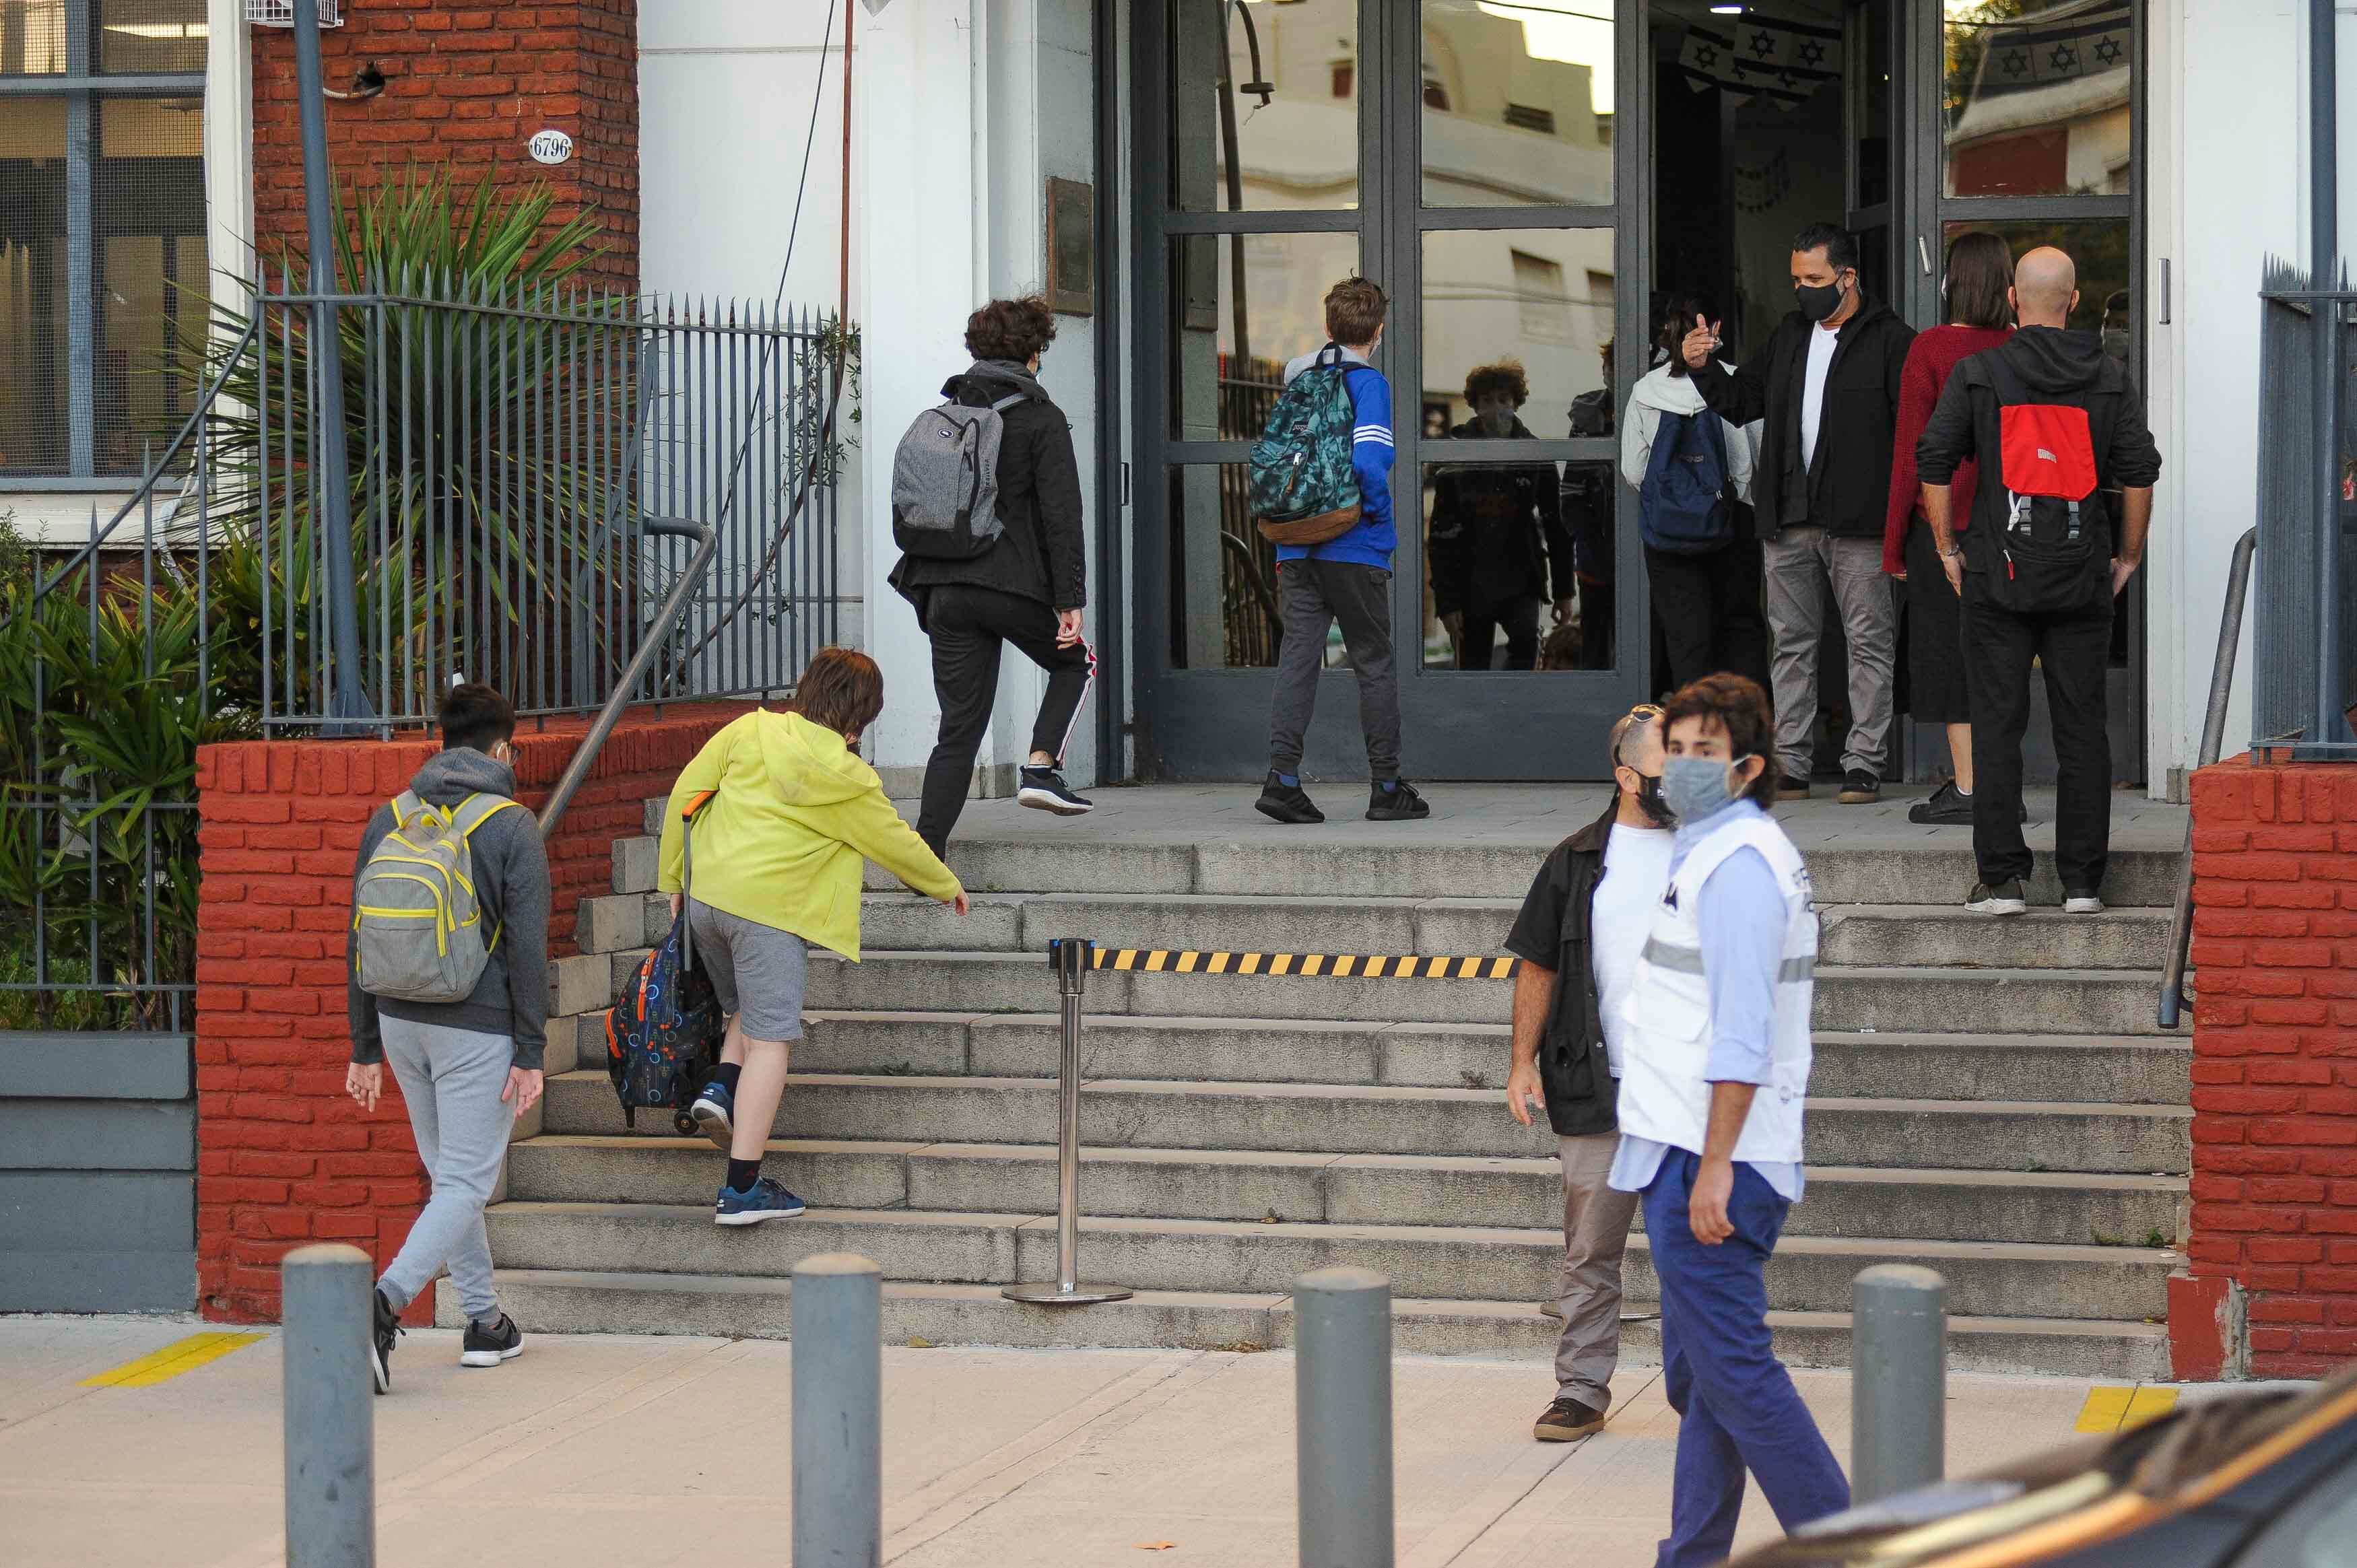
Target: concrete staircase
{"type": "Point", "coordinates": [1991, 1100]}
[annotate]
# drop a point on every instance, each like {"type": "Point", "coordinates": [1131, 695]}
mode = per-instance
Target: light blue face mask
{"type": "Point", "coordinates": [1697, 787]}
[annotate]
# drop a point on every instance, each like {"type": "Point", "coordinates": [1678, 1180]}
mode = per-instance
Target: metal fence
{"type": "Point", "coordinates": [2304, 646]}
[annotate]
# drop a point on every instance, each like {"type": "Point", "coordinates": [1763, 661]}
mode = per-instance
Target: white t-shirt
{"type": "Point", "coordinates": [1822, 342]}
{"type": "Point", "coordinates": [1636, 871]}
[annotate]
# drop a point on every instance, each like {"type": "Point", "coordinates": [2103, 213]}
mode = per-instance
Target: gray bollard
{"type": "Point", "coordinates": [1342, 1398]}
{"type": "Point", "coordinates": [1898, 1380]}
{"type": "Point", "coordinates": [325, 1304]}
{"type": "Point", "coordinates": [838, 1389]}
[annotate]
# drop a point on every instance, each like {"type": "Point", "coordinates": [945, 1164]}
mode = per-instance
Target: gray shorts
{"type": "Point", "coordinates": [758, 970]}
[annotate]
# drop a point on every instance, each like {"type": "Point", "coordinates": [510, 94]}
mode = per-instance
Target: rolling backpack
{"type": "Point", "coordinates": [2054, 552]}
{"type": "Point", "coordinates": [1304, 489]}
{"type": "Point", "coordinates": [945, 481]}
{"type": "Point", "coordinates": [417, 926]}
{"type": "Point", "coordinates": [662, 1036]}
{"type": "Point", "coordinates": [1682, 506]}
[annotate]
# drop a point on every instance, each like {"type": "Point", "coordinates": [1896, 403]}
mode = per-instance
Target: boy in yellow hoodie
{"type": "Point", "coordinates": [780, 844]}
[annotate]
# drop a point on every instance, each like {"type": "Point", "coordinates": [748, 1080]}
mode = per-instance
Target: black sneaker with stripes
{"type": "Point", "coordinates": [1044, 789]}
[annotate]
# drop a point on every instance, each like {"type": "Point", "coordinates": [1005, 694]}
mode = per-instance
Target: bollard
{"type": "Point", "coordinates": [1342, 1400]}
{"type": "Point", "coordinates": [325, 1302]}
{"type": "Point", "coordinates": [1070, 957]}
{"type": "Point", "coordinates": [838, 1434]}
{"type": "Point", "coordinates": [1898, 1380]}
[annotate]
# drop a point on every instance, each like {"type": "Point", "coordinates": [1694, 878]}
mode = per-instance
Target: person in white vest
{"type": "Point", "coordinates": [1716, 1071]}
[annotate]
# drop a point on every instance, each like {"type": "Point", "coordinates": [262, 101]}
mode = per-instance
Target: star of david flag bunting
{"type": "Point", "coordinates": [1784, 60]}
{"type": "Point", "coordinates": [2063, 46]}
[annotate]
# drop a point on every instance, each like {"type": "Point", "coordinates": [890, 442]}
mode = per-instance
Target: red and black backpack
{"type": "Point", "coordinates": [2053, 551]}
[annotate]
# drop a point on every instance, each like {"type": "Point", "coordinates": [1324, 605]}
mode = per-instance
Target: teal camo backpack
{"type": "Point", "coordinates": [1303, 490]}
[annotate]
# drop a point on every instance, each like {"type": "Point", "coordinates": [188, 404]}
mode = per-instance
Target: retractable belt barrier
{"type": "Point", "coordinates": [1327, 966]}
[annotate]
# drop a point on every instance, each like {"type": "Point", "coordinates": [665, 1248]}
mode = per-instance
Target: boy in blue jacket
{"type": "Point", "coordinates": [1347, 579]}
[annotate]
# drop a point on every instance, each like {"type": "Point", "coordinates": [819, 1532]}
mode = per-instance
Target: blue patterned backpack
{"type": "Point", "coordinates": [664, 1035]}
{"type": "Point", "coordinates": [1304, 489]}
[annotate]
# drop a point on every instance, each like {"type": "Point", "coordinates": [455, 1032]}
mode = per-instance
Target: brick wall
{"type": "Point", "coordinates": [2275, 1063]}
{"type": "Point", "coordinates": [284, 1157]}
{"type": "Point", "coordinates": [466, 86]}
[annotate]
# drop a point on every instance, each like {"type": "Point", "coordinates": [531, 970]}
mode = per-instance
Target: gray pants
{"type": "Point", "coordinates": [451, 1080]}
{"type": "Point", "coordinates": [1801, 562]}
{"type": "Point", "coordinates": [1596, 1221]}
{"type": "Point", "coordinates": [1315, 595]}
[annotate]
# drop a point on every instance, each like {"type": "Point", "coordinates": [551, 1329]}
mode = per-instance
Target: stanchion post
{"type": "Point", "coordinates": [1342, 1398]}
{"type": "Point", "coordinates": [1898, 1380]}
{"type": "Point", "coordinates": [1070, 957]}
{"type": "Point", "coordinates": [838, 1389]}
{"type": "Point", "coordinates": [323, 1295]}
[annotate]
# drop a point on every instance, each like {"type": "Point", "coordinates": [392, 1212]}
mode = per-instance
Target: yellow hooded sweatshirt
{"type": "Point", "coordinates": [782, 841]}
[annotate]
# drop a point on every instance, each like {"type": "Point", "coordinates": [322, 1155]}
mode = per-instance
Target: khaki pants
{"type": "Point", "coordinates": [1596, 1221]}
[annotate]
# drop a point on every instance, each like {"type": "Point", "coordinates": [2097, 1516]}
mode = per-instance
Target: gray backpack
{"type": "Point", "coordinates": [417, 925]}
{"type": "Point", "coordinates": [945, 481]}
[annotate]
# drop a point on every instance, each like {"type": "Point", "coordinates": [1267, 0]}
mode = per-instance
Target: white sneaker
{"type": "Point", "coordinates": [2004, 899]}
{"type": "Point", "coordinates": [2083, 904]}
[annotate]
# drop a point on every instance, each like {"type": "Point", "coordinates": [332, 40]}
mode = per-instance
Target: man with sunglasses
{"type": "Point", "coordinates": [1578, 936]}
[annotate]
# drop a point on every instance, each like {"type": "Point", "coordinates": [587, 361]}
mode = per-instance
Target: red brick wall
{"type": "Point", "coordinates": [284, 1157]}
{"type": "Point", "coordinates": [2274, 1056]}
{"type": "Point", "coordinates": [466, 86]}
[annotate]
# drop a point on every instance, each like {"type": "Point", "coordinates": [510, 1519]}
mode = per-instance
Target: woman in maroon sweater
{"type": "Point", "coordinates": [1980, 270]}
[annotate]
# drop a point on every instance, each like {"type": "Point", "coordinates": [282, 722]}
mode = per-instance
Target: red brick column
{"type": "Point", "coordinates": [284, 1157]}
{"type": "Point", "coordinates": [2274, 1073]}
{"type": "Point", "coordinates": [467, 87]}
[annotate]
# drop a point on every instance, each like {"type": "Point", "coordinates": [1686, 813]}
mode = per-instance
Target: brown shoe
{"type": "Point", "coordinates": [1566, 1419]}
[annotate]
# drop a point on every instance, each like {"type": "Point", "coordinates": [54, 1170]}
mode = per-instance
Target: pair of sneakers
{"type": "Point", "coordinates": [2006, 898]}
{"type": "Point", "coordinates": [1392, 802]}
{"type": "Point", "coordinates": [484, 1345]}
{"type": "Point", "coordinates": [714, 1113]}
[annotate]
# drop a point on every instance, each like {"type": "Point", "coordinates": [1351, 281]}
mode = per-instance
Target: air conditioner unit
{"type": "Point", "coordinates": [281, 13]}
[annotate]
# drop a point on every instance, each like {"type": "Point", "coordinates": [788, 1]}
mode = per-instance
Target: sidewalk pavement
{"type": "Point", "coordinates": [636, 1451]}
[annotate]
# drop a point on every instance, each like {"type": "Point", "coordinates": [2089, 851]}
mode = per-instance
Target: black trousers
{"type": "Point", "coordinates": [1708, 608]}
{"type": "Point", "coordinates": [968, 626]}
{"type": "Point", "coordinates": [2072, 647]}
{"type": "Point", "coordinates": [1477, 642]}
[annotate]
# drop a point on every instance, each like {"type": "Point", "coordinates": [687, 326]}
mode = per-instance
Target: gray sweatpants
{"type": "Point", "coordinates": [1803, 563]}
{"type": "Point", "coordinates": [451, 1080]}
{"type": "Point", "coordinates": [1596, 1221]}
{"type": "Point", "coordinates": [1315, 595]}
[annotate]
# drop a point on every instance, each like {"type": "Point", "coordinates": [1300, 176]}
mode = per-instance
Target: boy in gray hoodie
{"type": "Point", "coordinates": [469, 1069]}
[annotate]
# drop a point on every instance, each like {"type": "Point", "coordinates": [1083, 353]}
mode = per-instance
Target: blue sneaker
{"type": "Point", "coordinates": [714, 1112]}
{"type": "Point", "coordinates": [767, 1200]}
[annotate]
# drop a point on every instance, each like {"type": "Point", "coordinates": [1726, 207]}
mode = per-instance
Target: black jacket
{"type": "Point", "coordinates": [1497, 531]}
{"type": "Point", "coordinates": [1042, 555]}
{"type": "Point", "coordinates": [1847, 490]}
{"type": "Point", "coordinates": [1552, 931]}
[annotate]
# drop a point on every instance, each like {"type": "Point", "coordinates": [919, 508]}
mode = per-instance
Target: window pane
{"type": "Point", "coordinates": [1223, 603]}
{"type": "Point", "coordinates": [32, 39]}
{"type": "Point", "coordinates": [1539, 298]}
{"type": "Point", "coordinates": [1278, 127]}
{"type": "Point", "coordinates": [1516, 556]}
{"type": "Point", "coordinates": [34, 287]}
{"type": "Point", "coordinates": [1230, 343]}
{"type": "Point", "coordinates": [153, 36]}
{"type": "Point", "coordinates": [2106, 274]}
{"type": "Point", "coordinates": [149, 224]}
{"type": "Point", "coordinates": [2038, 96]}
{"type": "Point", "coordinates": [1517, 102]}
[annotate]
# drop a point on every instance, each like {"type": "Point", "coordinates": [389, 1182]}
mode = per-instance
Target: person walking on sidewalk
{"type": "Point", "coordinates": [467, 1069]}
{"type": "Point", "coordinates": [778, 856]}
{"type": "Point", "coordinates": [1029, 588]}
{"type": "Point", "coordinates": [1717, 1060]}
{"type": "Point", "coordinates": [1578, 936]}
{"type": "Point", "coordinates": [1346, 579]}
{"type": "Point", "coordinates": [2058, 429]}
{"type": "Point", "coordinates": [1828, 386]}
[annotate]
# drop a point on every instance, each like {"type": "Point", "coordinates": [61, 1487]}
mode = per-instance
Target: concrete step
{"type": "Point", "coordinates": [1807, 1273]}
{"type": "Point", "coordinates": [761, 1308]}
{"type": "Point", "coordinates": [2028, 1137]}
{"type": "Point", "coordinates": [1993, 1001]}
{"type": "Point", "coordinates": [1894, 935]}
{"type": "Point", "coordinates": [1387, 1189]}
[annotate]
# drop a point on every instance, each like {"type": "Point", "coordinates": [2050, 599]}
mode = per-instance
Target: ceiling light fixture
{"type": "Point", "coordinates": [1728, 10]}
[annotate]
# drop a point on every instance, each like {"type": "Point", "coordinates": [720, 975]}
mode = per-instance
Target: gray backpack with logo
{"type": "Point", "coordinates": [945, 481]}
{"type": "Point", "coordinates": [417, 925]}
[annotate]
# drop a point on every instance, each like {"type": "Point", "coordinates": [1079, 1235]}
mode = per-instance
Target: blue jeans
{"type": "Point", "coordinates": [1737, 1404]}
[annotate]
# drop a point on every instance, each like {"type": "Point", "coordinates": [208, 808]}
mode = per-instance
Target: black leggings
{"type": "Point", "coordinates": [968, 626]}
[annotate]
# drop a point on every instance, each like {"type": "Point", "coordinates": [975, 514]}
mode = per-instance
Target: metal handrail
{"type": "Point", "coordinates": [2173, 1000]}
{"type": "Point", "coordinates": [659, 631]}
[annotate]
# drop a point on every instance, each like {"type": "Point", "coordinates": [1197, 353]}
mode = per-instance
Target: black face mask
{"type": "Point", "coordinates": [1649, 802]}
{"type": "Point", "coordinates": [1818, 302]}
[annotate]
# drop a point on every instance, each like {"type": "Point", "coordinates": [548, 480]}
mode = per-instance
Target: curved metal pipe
{"type": "Point", "coordinates": [2173, 1000]}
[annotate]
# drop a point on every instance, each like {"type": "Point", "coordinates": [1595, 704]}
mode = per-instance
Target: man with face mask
{"type": "Point", "coordinates": [1497, 536]}
{"type": "Point", "coordinates": [1826, 383]}
{"type": "Point", "coordinates": [1717, 1056]}
{"type": "Point", "coordinates": [1579, 936]}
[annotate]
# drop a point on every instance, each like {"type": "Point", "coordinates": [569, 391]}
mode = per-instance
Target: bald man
{"type": "Point", "coordinates": [2067, 470]}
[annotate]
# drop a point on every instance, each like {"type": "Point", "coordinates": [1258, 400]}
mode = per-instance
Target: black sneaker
{"type": "Point", "coordinates": [1044, 789]}
{"type": "Point", "coordinates": [1947, 807]}
{"type": "Point", "coordinates": [1400, 803]}
{"type": "Point", "coordinates": [1566, 1419]}
{"type": "Point", "coordinates": [382, 1332]}
{"type": "Point", "coordinates": [1286, 803]}
{"type": "Point", "coordinates": [1860, 788]}
{"type": "Point", "coordinates": [2004, 899]}
{"type": "Point", "coordinates": [768, 1199]}
{"type": "Point", "coordinates": [1792, 789]}
{"type": "Point", "coordinates": [488, 1344]}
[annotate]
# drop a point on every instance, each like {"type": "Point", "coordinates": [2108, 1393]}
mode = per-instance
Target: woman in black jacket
{"type": "Point", "coordinates": [1028, 589]}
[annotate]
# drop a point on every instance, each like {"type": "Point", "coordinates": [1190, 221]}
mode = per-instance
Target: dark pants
{"type": "Point", "coordinates": [1315, 594]}
{"type": "Point", "coordinates": [967, 625]}
{"type": "Point", "coordinates": [2073, 648]}
{"type": "Point", "coordinates": [1736, 1403]}
{"type": "Point", "coordinates": [1477, 642]}
{"type": "Point", "coordinates": [1708, 609]}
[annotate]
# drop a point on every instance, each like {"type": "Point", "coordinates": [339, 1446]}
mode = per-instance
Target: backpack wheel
{"type": "Point", "coordinates": [685, 1125]}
